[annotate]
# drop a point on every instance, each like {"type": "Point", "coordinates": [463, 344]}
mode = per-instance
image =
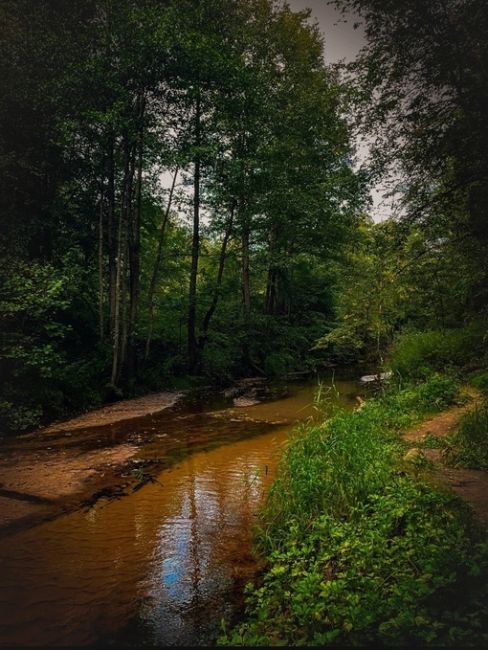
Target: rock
{"type": "Point", "coordinates": [245, 401]}
{"type": "Point", "coordinates": [414, 454]}
{"type": "Point", "coordinates": [360, 401]}
{"type": "Point", "coordinates": [367, 379]}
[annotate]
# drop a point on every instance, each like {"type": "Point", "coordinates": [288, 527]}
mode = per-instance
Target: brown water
{"type": "Point", "coordinates": [163, 565]}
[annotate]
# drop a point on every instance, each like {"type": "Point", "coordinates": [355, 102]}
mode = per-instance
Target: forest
{"type": "Point", "coordinates": [175, 197]}
{"type": "Point", "coordinates": [186, 202]}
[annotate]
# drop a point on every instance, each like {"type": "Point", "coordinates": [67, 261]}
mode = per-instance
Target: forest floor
{"type": "Point", "coordinates": [470, 484]}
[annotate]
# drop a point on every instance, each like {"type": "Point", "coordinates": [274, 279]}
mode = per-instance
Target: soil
{"type": "Point", "coordinates": [470, 484]}
{"type": "Point", "coordinates": [124, 410]}
{"type": "Point", "coordinates": [68, 465]}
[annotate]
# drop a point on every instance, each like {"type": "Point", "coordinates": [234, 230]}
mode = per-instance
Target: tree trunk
{"type": "Point", "coordinates": [157, 265]}
{"type": "Point", "coordinates": [195, 248]}
{"type": "Point", "coordinates": [246, 288]}
{"type": "Point", "coordinates": [218, 284]}
{"type": "Point", "coordinates": [120, 315]}
{"type": "Point", "coordinates": [100, 268]}
{"type": "Point", "coordinates": [135, 246]}
{"type": "Point", "coordinates": [111, 235]}
{"type": "Point", "coordinates": [272, 282]}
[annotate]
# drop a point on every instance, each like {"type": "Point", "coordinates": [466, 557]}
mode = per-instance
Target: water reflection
{"type": "Point", "coordinates": [161, 566]}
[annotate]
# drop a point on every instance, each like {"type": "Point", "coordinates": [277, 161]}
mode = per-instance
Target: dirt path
{"type": "Point", "coordinates": [470, 484]}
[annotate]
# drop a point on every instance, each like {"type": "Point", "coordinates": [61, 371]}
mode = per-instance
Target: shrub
{"type": "Point", "coordinates": [418, 354]}
{"type": "Point", "coordinates": [390, 574]}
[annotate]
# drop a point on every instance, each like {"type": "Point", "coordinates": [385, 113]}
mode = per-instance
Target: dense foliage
{"type": "Point", "coordinates": [176, 187]}
{"type": "Point", "coordinates": [420, 90]}
{"type": "Point", "coordinates": [360, 548]}
{"type": "Point", "coordinates": [180, 203]}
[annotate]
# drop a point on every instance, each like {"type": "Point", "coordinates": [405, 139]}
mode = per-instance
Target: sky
{"type": "Point", "coordinates": [342, 43]}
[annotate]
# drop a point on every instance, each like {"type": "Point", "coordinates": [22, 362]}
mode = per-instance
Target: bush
{"type": "Point", "coordinates": [438, 392]}
{"type": "Point", "coordinates": [390, 574]}
{"type": "Point", "coordinates": [417, 354]}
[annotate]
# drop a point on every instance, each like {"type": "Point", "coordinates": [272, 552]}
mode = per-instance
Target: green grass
{"type": "Point", "coordinates": [469, 445]}
{"type": "Point", "coordinates": [358, 549]}
{"type": "Point", "coordinates": [480, 381]}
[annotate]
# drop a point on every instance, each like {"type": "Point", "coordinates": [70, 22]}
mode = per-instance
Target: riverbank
{"type": "Point", "coordinates": [160, 563]}
{"type": "Point", "coordinates": [362, 543]}
{"type": "Point", "coordinates": [71, 464]}
{"type": "Point", "coordinates": [110, 452]}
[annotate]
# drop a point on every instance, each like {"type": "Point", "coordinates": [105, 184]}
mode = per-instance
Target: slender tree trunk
{"type": "Point", "coordinates": [126, 296]}
{"type": "Point", "coordinates": [195, 248]}
{"type": "Point", "coordinates": [100, 268]}
{"type": "Point", "coordinates": [120, 315]}
{"type": "Point", "coordinates": [218, 284]}
{"type": "Point", "coordinates": [246, 288]}
{"type": "Point", "coordinates": [157, 265]}
{"type": "Point", "coordinates": [119, 262]}
{"type": "Point", "coordinates": [271, 292]}
{"type": "Point", "coordinates": [135, 245]}
{"type": "Point", "coordinates": [111, 235]}
{"type": "Point", "coordinates": [271, 285]}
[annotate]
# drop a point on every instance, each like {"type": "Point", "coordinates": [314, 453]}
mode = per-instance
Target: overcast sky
{"type": "Point", "coordinates": [342, 43]}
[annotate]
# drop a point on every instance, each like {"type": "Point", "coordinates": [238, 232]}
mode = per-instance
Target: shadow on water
{"type": "Point", "coordinates": [162, 565]}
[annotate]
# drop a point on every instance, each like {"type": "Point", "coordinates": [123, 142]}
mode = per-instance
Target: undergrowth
{"type": "Point", "coordinates": [418, 354]}
{"type": "Point", "coordinates": [359, 550]}
{"type": "Point", "coordinates": [469, 445]}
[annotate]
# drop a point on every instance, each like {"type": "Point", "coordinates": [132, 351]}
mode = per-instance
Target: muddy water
{"type": "Point", "coordinates": [163, 565]}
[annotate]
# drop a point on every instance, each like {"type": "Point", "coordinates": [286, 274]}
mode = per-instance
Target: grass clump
{"type": "Point", "coordinates": [469, 445]}
{"type": "Point", "coordinates": [359, 551]}
{"type": "Point", "coordinates": [480, 381]}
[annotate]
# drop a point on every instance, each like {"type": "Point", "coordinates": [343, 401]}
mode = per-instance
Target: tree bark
{"type": "Point", "coordinates": [100, 268]}
{"type": "Point", "coordinates": [135, 245]}
{"type": "Point", "coordinates": [218, 284]}
{"type": "Point", "coordinates": [195, 247]}
{"type": "Point", "coordinates": [245, 275]}
{"type": "Point", "coordinates": [157, 265]}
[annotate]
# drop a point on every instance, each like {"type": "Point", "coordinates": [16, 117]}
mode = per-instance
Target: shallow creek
{"type": "Point", "coordinates": [164, 564]}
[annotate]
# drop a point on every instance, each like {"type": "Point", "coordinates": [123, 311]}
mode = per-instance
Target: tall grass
{"type": "Point", "coordinates": [418, 354]}
{"type": "Point", "coordinates": [333, 467]}
{"type": "Point", "coordinates": [358, 550]}
{"type": "Point", "coordinates": [471, 439]}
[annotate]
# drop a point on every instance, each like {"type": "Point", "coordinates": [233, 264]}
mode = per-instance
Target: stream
{"type": "Point", "coordinates": [164, 564]}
